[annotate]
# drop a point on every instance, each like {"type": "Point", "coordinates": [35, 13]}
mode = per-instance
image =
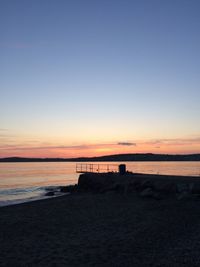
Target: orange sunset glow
{"type": "Point", "coordinates": [89, 80]}
{"type": "Point", "coordinates": [186, 146]}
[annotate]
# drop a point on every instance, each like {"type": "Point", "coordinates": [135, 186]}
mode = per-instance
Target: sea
{"type": "Point", "coordinates": [23, 182]}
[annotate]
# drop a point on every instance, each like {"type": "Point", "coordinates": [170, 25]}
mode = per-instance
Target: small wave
{"type": "Point", "coordinates": [21, 195]}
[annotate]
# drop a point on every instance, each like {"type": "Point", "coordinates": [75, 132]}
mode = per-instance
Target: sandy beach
{"type": "Point", "coordinates": [109, 229]}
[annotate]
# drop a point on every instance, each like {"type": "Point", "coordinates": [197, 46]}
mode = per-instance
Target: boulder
{"type": "Point", "coordinates": [184, 195]}
{"type": "Point", "coordinates": [182, 187]}
{"type": "Point", "coordinates": [95, 182]}
{"type": "Point", "coordinates": [120, 188]}
{"type": "Point", "coordinates": [130, 188]}
{"type": "Point", "coordinates": [147, 192]}
{"type": "Point", "coordinates": [136, 185]}
{"type": "Point", "coordinates": [146, 184]}
{"type": "Point", "coordinates": [165, 187]}
{"type": "Point", "coordinates": [139, 185]}
{"type": "Point", "coordinates": [68, 188]}
{"type": "Point", "coordinates": [195, 188]}
{"type": "Point", "coordinates": [49, 194]}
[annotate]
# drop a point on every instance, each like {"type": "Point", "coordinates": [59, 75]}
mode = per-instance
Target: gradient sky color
{"type": "Point", "coordinates": [87, 78]}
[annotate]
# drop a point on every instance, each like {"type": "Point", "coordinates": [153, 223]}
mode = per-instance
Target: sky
{"type": "Point", "coordinates": [90, 78]}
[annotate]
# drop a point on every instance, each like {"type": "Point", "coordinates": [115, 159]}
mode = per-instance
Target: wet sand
{"type": "Point", "coordinates": [107, 229]}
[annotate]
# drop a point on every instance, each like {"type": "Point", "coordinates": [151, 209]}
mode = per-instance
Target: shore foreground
{"type": "Point", "coordinates": [101, 229]}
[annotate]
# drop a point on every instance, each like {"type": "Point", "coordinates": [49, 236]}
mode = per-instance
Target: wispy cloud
{"type": "Point", "coordinates": [126, 144]}
{"type": "Point", "coordinates": [14, 147]}
{"type": "Point", "coordinates": [52, 147]}
{"type": "Point", "coordinates": [173, 141]}
{"type": "Point", "coordinates": [3, 133]}
{"type": "Point", "coordinates": [158, 143]}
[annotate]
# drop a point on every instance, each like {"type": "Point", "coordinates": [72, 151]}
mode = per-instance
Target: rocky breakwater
{"type": "Point", "coordinates": [145, 185]}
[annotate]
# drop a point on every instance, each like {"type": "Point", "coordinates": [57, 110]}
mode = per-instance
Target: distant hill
{"type": "Point", "coordinates": [118, 157]}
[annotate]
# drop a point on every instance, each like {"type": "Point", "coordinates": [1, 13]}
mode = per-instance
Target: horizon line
{"type": "Point", "coordinates": [90, 157]}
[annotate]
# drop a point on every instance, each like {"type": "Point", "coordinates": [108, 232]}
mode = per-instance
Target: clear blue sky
{"type": "Point", "coordinates": [96, 73]}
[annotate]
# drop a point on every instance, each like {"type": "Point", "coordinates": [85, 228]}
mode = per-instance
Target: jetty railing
{"type": "Point", "coordinates": [96, 168]}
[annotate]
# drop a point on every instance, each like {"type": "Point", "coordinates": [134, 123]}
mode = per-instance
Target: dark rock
{"type": "Point", "coordinates": [95, 183]}
{"type": "Point", "coordinates": [136, 185]}
{"type": "Point", "coordinates": [148, 192]}
{"type": "Point", "coordinates": [68, 188]}
{"type": "Point", "coordinates": [184, 195]}
{"type": "Point", "coordinates": [146, 184]}
{"type": "Point", "coordinates": [182, 187]}
{"type": "Point", "coordinates": [119, 188]}
{"type": "Point", "coordinates": [195, 188]}
{"type": "Point", "coordinates": [165, 187]}
{"type": "Point", "coordinates": [49, 194]}
{"type": "Point", "coordinates": [131, 188]}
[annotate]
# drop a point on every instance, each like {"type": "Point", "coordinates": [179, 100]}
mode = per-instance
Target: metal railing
{"type": "Point", "coordinates": [96, 168]}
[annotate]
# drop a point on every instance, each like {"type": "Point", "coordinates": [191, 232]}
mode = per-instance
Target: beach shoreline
{"type": "Point", "coordinates": [101, 229]}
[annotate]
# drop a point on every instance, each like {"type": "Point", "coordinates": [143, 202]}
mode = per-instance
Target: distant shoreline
{"type": "Point", "coordinates": [111, 158]}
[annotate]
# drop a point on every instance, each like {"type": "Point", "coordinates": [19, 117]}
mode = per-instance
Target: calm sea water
{"type": "Point", "coordinates": [20, 182]}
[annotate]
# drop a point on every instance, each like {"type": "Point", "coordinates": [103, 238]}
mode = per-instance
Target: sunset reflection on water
{"type": "Point", "coordinates": [19, 175]}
